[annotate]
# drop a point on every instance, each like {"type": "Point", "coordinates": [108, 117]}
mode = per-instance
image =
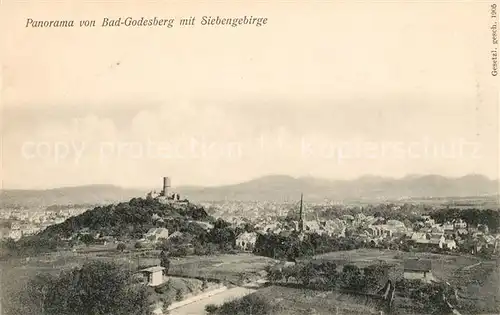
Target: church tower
{"type": "Point", "coordinates": [301, 219]}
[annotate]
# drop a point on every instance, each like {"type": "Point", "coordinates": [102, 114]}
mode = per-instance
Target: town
{"type": "Point", "coordinates": [206, 258]}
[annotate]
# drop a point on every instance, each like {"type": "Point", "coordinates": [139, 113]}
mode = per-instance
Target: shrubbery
{"type": "Point", "coordinates": [324, 275]}
{"type": "Point", "coordinates": [250, 304]}
{"type": "Point", "coordinates": [211, 308]}
{"type": "Point", "coordinates": [95, 288]}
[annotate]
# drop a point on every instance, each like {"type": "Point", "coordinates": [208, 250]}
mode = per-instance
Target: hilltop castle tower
{"type": "Point", "coordinates": [166, 186]}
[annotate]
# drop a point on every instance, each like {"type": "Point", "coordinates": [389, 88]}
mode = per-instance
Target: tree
{"type": "Point", "coordinates": [31, 300]}
{"type": "Point", "coordinates": [87, 239]}
{"type": "Point", "coordinates": [204, 285]}
{"type": "Point", "coordinates": [138, 245]}
{"type": "Point", "coordinates": [121, 247]}
{"type": "Point", "coordinates": [374, 275]}
{"type": "Point", "coordinates": [274, 274]}
{"type": "Point", "coordinates": [178, 295]}
{"type": "Point", "coordinates": [329, 269]}
{"type": "Point", "coordinates": [211, 308]}
{"type": "Point", "coordinates": [95, 288]}
{"type": "Point", "coordinates": [351, 277]}
{"type": "Point", "coordinates": [164, 261]}
{"type": "Point", "coordinates": [307, 273]}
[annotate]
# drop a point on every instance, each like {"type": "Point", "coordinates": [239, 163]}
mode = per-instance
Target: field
{"type": "Point", "coordinates": [15, 273]}
{"type": "Point", "coordinates": [478, 280]}
{"type": "Point", "coordinates": [443, 266]}
{"type": "Point", "coordinates": [292, 301]}
{"type": "Point", "coordinates": [223, 267]}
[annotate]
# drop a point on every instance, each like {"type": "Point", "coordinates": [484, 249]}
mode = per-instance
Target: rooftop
{"type": "Point", "coordinates": [153, 269]}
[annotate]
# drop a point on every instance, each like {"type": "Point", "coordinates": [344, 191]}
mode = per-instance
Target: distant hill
{"type": "Point", "coordinates": [272, 188]}
{"type": "Point", "coordinates": [278, 187]}
{"type": "Point", "coordinates": [79, 195]}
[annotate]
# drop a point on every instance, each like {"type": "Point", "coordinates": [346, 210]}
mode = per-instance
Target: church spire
{"type": "Point", "coordinates": [301, 219]}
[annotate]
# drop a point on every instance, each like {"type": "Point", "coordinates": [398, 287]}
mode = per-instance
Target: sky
{"type": "Point", "coordinates": [327, 89]}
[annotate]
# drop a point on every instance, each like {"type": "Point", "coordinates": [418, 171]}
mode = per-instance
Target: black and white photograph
{"type": "Point", "coordinates": [221, 157]}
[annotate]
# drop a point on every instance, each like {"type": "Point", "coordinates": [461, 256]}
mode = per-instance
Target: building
{"type": "Point", "coordinates": [415, 269]}
{"type": "Point", "coordinates": [166, 186]}
{"type": "Point", "coordinates": [301, 218]}
{"type": "Point", "coordinates": [155, 234]}
{"type": "Point", "coordinates": [460, 224]}
{"type": "Point", "coordinates": [154, 275]}
{"type": "Point", "coordinates": [246, 241]}
{"type": "Point", "coordinates": [15, 234]}
{"type": "Point", "coordinates": [312, 227]}
{"type": "Point", "coordinates": [450, 244]}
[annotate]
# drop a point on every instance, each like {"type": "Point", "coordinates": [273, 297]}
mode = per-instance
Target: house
{"type": "Point", "coordinates": [175, 235]}
{"type": "Point", "coordinates": [428, 221]}
{"type": "Point", "coordinates": [417, 236]}
{"type": "Point", "coordinates": [450, 244]}
{"type": "Point", "coordinates": [154, 275]}
{"type": "Point", "coordinates": [155, 234]}
{"type": "Point", "coordinates": [460, 224]}
{"type": "Point", "coordinates": [431, 241]}
{"type": "Point", "coordinates": [415, 269]}
{"type": "Point", "coordinates": [312, 226]}
{"type": "Point", "coordinates": [246, 241]}
{"type": "Point", "coordinates": [15, 234]}
{"type": "Point", "coordinates": [448, 227]}
{"type": "Point", "coordinates": [15, 226]}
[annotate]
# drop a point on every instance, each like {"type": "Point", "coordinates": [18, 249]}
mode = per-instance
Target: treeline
{"type": "Point", "coordinates": [291, 247]}
{"type": "Point", "coordinates": [198, 241]}
{"type": "Point", "coordinates": [323, 275]}
{"type": "Point", "coordinates": [473, 217]}
{"type": "Point", "coordinates": [426, 298]}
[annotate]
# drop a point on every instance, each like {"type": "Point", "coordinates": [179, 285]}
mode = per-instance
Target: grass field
{"type": "Point", "coordinates": [292, 301]}
{"type": "Point", "coordinates": [443, 266]}
{"type": "Point", "coordinates": [222, 267]}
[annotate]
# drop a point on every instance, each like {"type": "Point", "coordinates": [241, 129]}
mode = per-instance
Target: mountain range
{"type": "Point", "coordinates": [272, 188]}
{"type": "Point", "coordinates": [278, 187]}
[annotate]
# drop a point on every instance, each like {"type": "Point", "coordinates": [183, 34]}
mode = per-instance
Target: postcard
{"type": "Point", "coordinates": [249, 157]}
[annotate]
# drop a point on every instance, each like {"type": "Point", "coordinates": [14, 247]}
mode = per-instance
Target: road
{"type": "Point", "coordinates": [198, 307]}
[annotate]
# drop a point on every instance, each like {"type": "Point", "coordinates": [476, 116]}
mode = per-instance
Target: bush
{"type": "Point", "coordinates": [178, 295]}
{"type": "Point", "coordinates": [204, 285]}
{"type": "Point", "coordinates": [250, 304]}
{"type": "Point", "coordinates": [166, 303]}
{"type": "Point", "coordinates": [162, 288]}
{"type": "Point", "coordinates": [138, 245]}
{"type": "Point", "coordinates": [121, 247]}
{"type": "Point", "coordinates": [211, 308]}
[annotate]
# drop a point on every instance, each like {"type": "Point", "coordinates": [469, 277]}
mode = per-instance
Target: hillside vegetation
{"type": "Point", "coordinates": [126, 220]}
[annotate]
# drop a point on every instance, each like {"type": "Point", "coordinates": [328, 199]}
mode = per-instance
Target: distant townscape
{"type": "Point", "coordinates": [412, 256]}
